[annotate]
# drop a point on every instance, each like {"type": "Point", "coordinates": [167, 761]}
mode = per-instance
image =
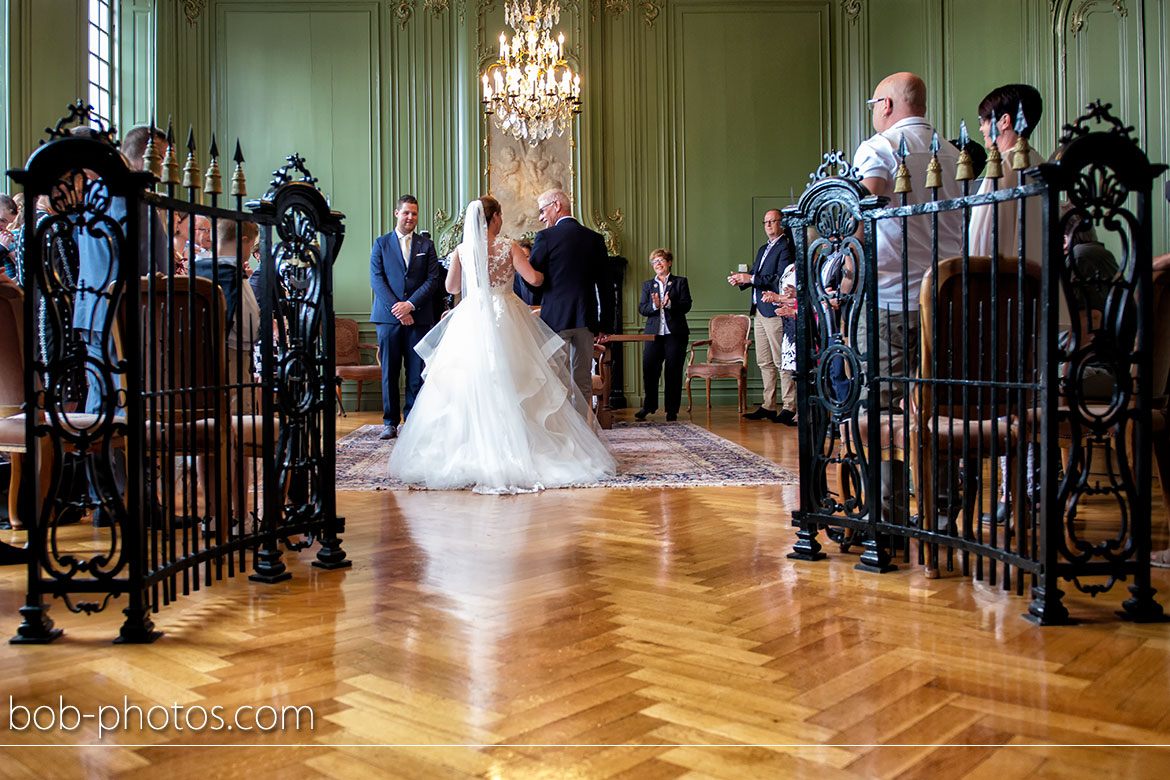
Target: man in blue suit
{"type": "Point", "coordinates": [572, 258]}
{"type": "Point", "coordinates": [768, 330]}
{"type": "Point", "coordinates": [404, 272]}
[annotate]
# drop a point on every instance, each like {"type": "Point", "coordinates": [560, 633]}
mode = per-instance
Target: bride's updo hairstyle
{"type": "Point", "coordinates": [491, 207]}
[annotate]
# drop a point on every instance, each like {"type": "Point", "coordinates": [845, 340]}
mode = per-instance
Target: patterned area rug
{"type": "Point", "coordinates": [648, 454]}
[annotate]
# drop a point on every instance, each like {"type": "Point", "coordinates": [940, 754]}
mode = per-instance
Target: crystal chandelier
{"type": "Point", "coordinates": [530, 89]}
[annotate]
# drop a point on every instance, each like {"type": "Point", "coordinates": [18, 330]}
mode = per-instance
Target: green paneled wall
{"type": "Point", "coordinates": [749, 134]}
{"type": "Point", "coordinates": [316, 95]}
{"type": "Point", "coordinates": [45, 59]}
{"type": "Point", "coordinates": [698, 114]}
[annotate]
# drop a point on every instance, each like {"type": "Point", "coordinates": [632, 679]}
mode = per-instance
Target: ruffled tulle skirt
{"type": "Point", "coordinates": [498, 412]}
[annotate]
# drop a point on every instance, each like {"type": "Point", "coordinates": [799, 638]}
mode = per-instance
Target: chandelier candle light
{"type": "Point", "coordinates": [530, 89]}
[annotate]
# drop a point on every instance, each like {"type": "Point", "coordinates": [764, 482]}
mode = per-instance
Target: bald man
{"type": "Point", "coordinates": [899, 109]}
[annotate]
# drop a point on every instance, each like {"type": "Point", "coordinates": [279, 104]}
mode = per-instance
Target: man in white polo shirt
{"type": "Point", "coordinates": [899, 110]}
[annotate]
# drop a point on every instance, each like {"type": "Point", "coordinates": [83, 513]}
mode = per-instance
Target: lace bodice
{"type": "Point", "coordinates": [500, 268]}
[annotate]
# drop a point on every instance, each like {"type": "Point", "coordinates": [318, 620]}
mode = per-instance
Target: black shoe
{"type": "Point", "coordinates": [641, 414]}
{"type": "Point", "coordinates": [785, 418]}
{"type": "Point", "coordinates": [760, 414]}
{"type": "Point", "coordinates": [388, 432]}
{"type": "Point", "coordinates": [671, 417]}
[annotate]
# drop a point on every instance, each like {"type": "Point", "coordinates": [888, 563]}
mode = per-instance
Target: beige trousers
{"type": "Point", "coordinates": [768, 333]}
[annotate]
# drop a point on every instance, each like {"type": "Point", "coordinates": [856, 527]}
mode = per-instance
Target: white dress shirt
{"type": "Point", "coordinates": [663, 330]}
{"type": "Point", "coordinates": [404, 245]}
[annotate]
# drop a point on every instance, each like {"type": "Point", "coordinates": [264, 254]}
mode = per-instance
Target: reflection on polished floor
{"type": "Point", "coordinates": [605, 633]}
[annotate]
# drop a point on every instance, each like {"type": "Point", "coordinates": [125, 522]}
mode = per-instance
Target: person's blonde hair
{"type": "Point", "coordinates": [663, 253]}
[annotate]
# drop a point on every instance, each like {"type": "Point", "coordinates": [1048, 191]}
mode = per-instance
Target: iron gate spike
{"type": "Point", "coordinates": [902, 176]}
{"type": "Point", "coordinates": [192, 179]}
{"type": "Point", "coordinates": [965, 169]}
{"type": "Point", "coordinates": [170, 163]}
{"type": "Point", "coordinates": [933, 169]}
{"type": "Point", "coordinates": [239, 184]}
{"type": "Point", "coordinates": [1020, 150]}
{"type": "Point", "coordinates": [213, 179]}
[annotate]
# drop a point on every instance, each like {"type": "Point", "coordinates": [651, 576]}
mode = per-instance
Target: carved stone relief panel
{"type": "Point", "coordinates": [519, 173]}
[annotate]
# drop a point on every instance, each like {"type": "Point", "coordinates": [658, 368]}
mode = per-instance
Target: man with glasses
{"type": "Point", "coordinates": [899, 115]}
{"type": "Point", "coordinates": [768, 328]}
{"type": "Point", "coordinates": [898, 109]}
{"type": "Point", "coordinates": [572, 258]}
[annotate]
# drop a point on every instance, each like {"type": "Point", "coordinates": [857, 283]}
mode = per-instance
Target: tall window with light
{"type": "Point", "coordinates": [101, 70]}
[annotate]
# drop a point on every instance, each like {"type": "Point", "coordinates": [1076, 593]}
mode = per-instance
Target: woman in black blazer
{"type": "Point", "coordinates": [665, 301]}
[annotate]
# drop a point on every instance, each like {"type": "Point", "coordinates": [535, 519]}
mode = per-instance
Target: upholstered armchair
{"type": "Point", "coordinates": [348, 359]}
{"type": "Point", "coordinates": [727, 350]}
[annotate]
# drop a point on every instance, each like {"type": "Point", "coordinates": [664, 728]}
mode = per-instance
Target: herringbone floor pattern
{"type": "Point", "coordinates": [603, 634]}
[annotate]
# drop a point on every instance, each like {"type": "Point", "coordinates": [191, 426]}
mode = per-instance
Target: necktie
{"type": "Point", "coordinates": [406, 251]}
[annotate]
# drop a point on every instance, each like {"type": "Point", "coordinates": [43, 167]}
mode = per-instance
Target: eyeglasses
{"type": "Point", "coordinates": [542, 208]}
{"type": "Point", "coordinates": [771, 221]}
{"type": "Point", "coordinates": [875, 101]}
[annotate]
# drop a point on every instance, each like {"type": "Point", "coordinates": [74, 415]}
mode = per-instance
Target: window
{"type": "Point", "coordinates": [101, 71]}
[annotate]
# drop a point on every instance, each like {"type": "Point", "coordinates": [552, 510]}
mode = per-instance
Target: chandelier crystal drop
{"type": "Point", "coordinates": [530, 89]}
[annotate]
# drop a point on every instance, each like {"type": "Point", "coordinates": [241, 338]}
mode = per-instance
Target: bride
{"type": "Point", "coordinates": [498, 411]}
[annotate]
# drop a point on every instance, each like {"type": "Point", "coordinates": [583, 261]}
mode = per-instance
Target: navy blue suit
{"type": "Point", "coordinates": [572, 258]}
{"type": "Point", "coordinates": [394, 281]}
{"type": "Point", "coordinates": [670, 348]}
{"type": "Point", "coordinates": [766, 271]}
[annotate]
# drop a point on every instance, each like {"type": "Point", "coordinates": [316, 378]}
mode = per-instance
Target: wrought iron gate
{"type": "Point", "coordinates": [141, 349]}
{"type": "Point", "coordinates": [888, 455]}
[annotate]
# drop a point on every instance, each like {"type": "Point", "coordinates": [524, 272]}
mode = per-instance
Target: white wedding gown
{"type": "Point", "coordinates": [498, 411]}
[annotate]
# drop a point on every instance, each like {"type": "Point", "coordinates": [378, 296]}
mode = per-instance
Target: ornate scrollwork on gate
{"type": "Point", "coordinates": [1103, 355]}
{"type": "Point", "coordinates": [831, 279]}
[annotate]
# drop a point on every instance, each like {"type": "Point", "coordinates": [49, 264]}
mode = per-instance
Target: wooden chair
{"type": "Point", "coordinates": [185, 378]}
{"type": "Point", "coordinates": [970, 418]}
{"type": "Point", "coordinates": [727, 350]}
{"type": "Point", "coordinates": [602, 382]}
{"type": "Point", "coordinates": [12, 423]}
{"type": "Point", "coordinates": [348, 358]}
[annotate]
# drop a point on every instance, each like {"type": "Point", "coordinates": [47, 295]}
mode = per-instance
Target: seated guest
{"type": "Point", "coordinates": [9, 212]}
{"type": "Point", "coordinates": [242, 312]}
{"type": "Point", "coordinates": [665, 301]}
{"type": "Point", "coordinates": [181, 242]}
{"type": "Point", "coordinates": [997, 120]}
{"type": "Point", "coordinates": [202, 232]}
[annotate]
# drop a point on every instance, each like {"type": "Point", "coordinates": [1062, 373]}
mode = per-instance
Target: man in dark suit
{"type": "Point", "coordinates": [404, 272]}
{"type": "Point", "coordinates": [572, 259]}
{"type": "Point", "coordinates": [768, 330]}
{"type": "Point", "coordinates": [665, 301]}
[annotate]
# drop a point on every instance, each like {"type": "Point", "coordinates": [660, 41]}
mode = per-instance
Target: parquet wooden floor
{"type": "Point", "coordinates": [655, 633]}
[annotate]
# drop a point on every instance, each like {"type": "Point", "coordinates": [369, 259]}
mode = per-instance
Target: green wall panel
{"type": "Point", "coordinates": [986, 48]}
{"type": "Point", "coordinates": [308, 86]}
{"type": "Point", "coordinates": [753, 119]}
{"type": "Point", "coordinates": [899, 32]}
{"type": "Point", "coordinates": [45, 70]}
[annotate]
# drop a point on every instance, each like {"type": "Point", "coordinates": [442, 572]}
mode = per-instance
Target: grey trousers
{"type": "Point", "coordinates": [580, 342]}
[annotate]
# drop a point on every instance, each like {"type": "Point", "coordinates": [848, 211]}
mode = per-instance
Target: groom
{"type": "Point", "coordinates": [404, 272]}
{"type": "Point", "coordinates": [572, 258]}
